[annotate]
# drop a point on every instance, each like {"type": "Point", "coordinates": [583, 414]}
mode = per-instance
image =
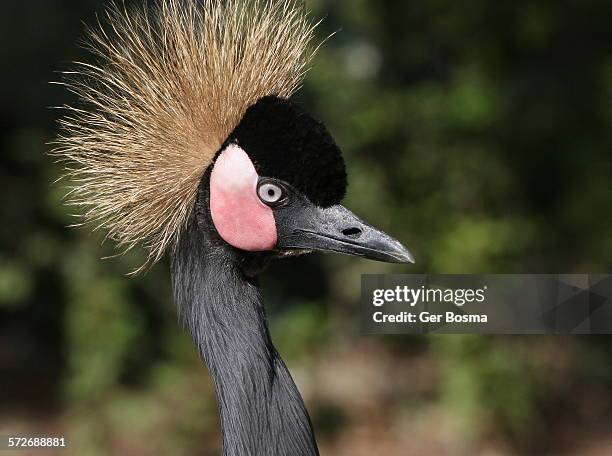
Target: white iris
{"type": "Point", "coordinates": [270, 193]}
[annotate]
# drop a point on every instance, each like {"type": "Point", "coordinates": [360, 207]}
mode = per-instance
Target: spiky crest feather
{"type": "Point", "coordinates": [169, 85]}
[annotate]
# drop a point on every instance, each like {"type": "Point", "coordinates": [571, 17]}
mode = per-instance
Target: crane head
{"type": "Point", "coordinates": [177, 101]}
{"type": "Point", "coordinates": [277, 183]}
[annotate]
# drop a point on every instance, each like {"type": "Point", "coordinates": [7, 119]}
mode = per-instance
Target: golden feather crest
{"type": "Point", "coordinates": [169, 85]}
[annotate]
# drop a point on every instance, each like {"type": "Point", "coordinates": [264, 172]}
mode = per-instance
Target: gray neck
{"type": "Point", "coordinates": [262, 412]}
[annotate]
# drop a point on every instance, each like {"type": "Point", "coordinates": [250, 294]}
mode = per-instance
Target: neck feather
{"type": "Point", "coordinates": [262, 412]}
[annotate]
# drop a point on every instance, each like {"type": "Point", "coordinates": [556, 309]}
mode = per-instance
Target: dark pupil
{"type": "Point", "coordinates": [271, 192]}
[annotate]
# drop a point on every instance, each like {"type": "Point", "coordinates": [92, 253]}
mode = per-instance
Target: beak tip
{"type": "Point", "coordinates": [407, 257]}
{"type": "Point", "coordinates": [396, 253]}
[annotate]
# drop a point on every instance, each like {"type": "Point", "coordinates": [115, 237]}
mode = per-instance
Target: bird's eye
{"type": "Point", "coordinates": [271, 194]}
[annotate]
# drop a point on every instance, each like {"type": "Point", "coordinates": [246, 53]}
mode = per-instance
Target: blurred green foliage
{"type": "Point", "coordinates": [479, 133]}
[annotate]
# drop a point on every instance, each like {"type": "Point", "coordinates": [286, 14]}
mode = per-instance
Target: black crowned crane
{"type": "Point", "coordinates": [185, 142]}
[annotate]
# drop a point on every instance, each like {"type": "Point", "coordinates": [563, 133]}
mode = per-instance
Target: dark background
{"type": "Point", "coordinates": [478, 133]}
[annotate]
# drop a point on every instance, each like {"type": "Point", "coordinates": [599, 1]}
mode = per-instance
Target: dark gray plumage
{"type": "Point", "coordinates": [262, 412]}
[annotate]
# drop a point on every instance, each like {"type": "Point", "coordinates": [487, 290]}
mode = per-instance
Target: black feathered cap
{"type": "Point", "coordinates": [286, 143]}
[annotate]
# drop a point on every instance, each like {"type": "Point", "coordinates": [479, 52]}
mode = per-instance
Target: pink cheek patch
{"type": "Point", "coordinates": [239, 216]}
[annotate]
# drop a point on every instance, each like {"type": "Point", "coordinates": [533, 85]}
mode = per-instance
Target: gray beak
{"type": "Point", "coordinates": [336, 229]}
